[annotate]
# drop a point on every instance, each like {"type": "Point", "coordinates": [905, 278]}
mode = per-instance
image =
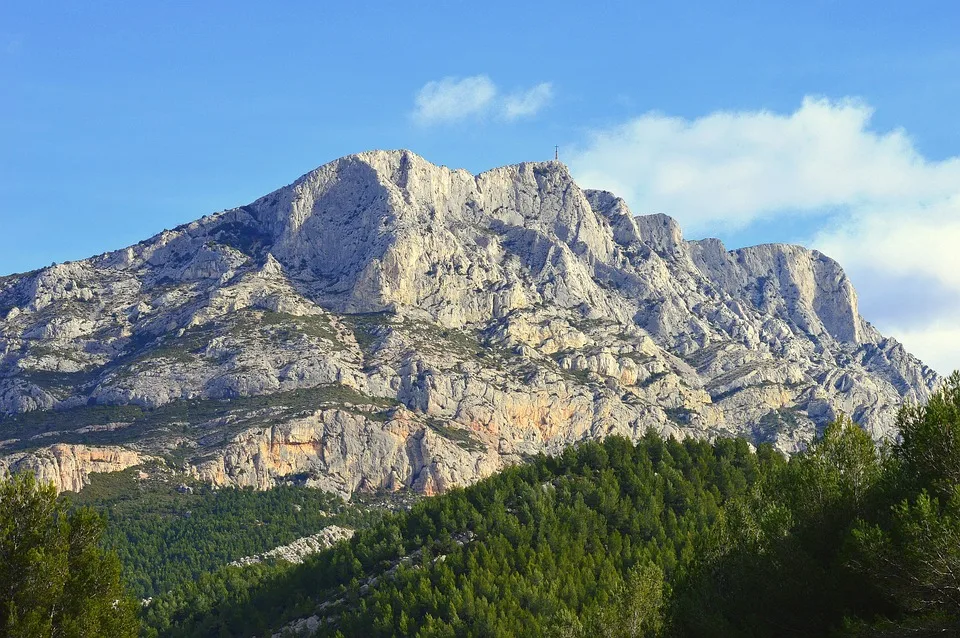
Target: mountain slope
{"type": "Point", "coordinates": [384, 322]}
{"type": "Point", "coordinates": [660, 538]}
{"type": "Point", "coordinates": [548, 541]}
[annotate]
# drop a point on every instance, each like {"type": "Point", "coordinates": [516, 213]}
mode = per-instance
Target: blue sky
{"type": "Point", "coordinates": [831, 124]}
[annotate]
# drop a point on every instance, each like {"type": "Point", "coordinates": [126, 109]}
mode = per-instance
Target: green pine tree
{"type": "Point", "coordinates": [55, 578]}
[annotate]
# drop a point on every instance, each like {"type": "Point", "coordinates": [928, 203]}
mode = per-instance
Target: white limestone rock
{"type": "Point", "coordinates": [69, 467]}
{"type": "Point", "coordinates": [383, 323]}
{"type": "Point", "coordinates": [299, 549]}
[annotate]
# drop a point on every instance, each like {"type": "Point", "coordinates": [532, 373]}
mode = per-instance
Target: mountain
{"type": "Point", "coordinates": [383, 323]}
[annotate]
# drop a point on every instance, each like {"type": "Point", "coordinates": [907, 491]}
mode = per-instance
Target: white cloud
{"type": "Point", "coordinates": [453, 99]}
{"type": "Point", "coordinates": [900, 241]}
{"type": "Point", "coordinates": [527, 103]}
{"type": "Point", "coordinates": [736, 167]}
{"type": "Point", "coordinates": [893, 215]}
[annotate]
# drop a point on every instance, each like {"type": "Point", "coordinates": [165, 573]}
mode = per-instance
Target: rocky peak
{"type": "Point", "coordinates": [359, 226]}
{"type": "Point", "coordinates": [384, 322]}
{"type": "Point", "coordinates": [803, 285]}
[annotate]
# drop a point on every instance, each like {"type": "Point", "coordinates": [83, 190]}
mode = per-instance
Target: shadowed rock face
{"type": "Point", "coordinates": [384, 322]}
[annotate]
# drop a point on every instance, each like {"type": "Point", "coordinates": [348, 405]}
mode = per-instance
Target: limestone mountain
{"type": "Point", "coordinates": [384, 322]}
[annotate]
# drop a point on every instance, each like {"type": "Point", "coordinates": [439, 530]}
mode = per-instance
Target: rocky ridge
{"type": "Point", "coordinates": [384, 323]}
{"type": "Point", "coordinates": [299, 549]}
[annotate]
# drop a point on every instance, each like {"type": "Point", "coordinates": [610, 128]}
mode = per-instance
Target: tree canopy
{"type": "Point", "coordinates": [55, 577]}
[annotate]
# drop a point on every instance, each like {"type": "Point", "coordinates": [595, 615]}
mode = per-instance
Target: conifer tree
{"type": "Point", "coordinates": [55, 578]}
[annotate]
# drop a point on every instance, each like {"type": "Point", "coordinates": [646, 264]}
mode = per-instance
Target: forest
{"type": "Point", "coordinates": [165, 536]}
{"type": "Point", "coordinates": [612, 538]}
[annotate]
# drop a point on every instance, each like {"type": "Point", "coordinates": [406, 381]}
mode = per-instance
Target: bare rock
{"type": "Point", "coordinates": [384, 323]}
{"type": "Point", "coordinates": [69, 467]}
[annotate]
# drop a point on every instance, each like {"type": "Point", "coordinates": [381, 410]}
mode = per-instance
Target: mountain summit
{"type": "Point", "coordinates": [384, 322]}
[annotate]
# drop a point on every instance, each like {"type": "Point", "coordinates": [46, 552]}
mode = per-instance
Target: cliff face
{"type": "Point", "coordinates": [69, 466]}
{"type": "Point", "coordinates": [384, 322]}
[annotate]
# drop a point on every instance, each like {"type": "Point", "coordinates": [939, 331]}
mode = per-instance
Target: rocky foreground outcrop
{"type": "Point", "coordinates": [383, 322]}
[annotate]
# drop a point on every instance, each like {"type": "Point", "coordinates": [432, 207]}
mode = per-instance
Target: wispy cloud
{"type": "Point", "coordinates": [893, 216]}
{"type": "Point", "coordinates": [454, 99]}
{"type": "Point", "coordinates": [527, 103]}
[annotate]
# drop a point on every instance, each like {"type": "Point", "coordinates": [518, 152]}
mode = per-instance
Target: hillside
{"type": "Point", "coordinates": [385, 323]}
{"type": "Point", "coordinates": [661, 538]}
{"type": "Point", "coordinates": [515, 554]}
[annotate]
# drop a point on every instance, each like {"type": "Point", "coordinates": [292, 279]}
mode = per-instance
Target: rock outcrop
{"type": "Point", "coordinates": [383, 322]}
{"type": "Point", "coordinates": [69, 467]}
{"type": "Point", "coordinates": [299, 549]}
